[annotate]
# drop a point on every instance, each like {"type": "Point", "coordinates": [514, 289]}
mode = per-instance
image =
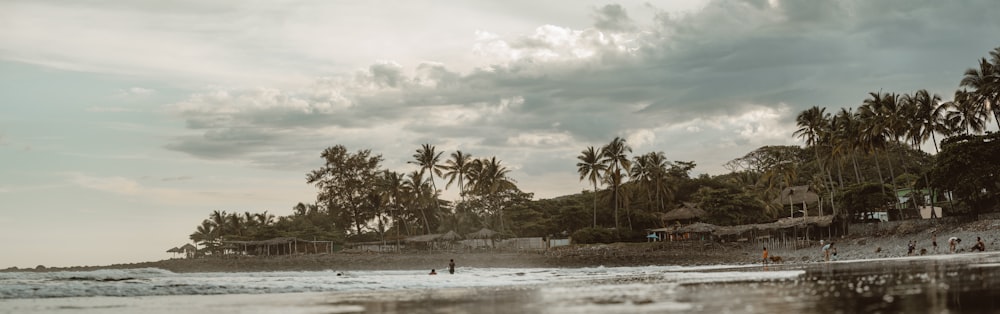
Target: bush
{"type": "Point", "coordinates": [594, 235]}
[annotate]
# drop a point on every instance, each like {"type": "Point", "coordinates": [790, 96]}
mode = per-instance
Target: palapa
{"type": "Point", "coordinates": [685, 212]}
{"type": "Point", "coordinates": [796, 195]}
{"type": "Point", "coordinates": [424, 238]}
{"type": "Point", "coordinates": [482, 234]}
{"type": "Point", "coordinates": [450, 236]}
{"type": "Point", "coordinates": [698, 227]}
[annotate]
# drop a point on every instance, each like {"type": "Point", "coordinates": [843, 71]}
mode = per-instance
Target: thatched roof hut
{"type": "Point", "coordinates": [796, 195]}
{"type": "Point", "coordinates": [698, 227]}
{"type": "Point", "coordinates": [424, 238]}
{"type": "Point", "coordinates": [482, 234]}
{"type": "Point", "coordinates": [450, 236]}
{"type": "Point", "coordinates": [687, 211]}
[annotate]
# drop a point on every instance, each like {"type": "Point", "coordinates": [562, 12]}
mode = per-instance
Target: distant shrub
{"type": "Point", "coordinates": [594, 235]}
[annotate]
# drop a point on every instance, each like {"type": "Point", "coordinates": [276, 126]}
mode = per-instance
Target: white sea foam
{"type": "Point", "coordinates": [151, 281]}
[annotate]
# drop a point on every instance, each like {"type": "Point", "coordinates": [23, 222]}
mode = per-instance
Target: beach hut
{"type": "Point", "coordinates": [450, 237]}
{"type": "Point", "coordinates": [687, 213]}
{"type": "Point", "coordinates": [699, 230]}
{"type": "Point", "coordinates": [423, 240]}
{"type": "Point", "coordinates": [189, 250]}
{"type": "Point", "coordinates": [794, 196]}
{"type": "Point", "coordinates": [175, 250]}
{"type": "Point", "coordinates": [483, 234]}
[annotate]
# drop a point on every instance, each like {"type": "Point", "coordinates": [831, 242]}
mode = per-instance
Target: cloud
{"type": "Point", "coordinates": [706, 85]}
{"type": "Point", "coordinates": [116, 185]}
{"type": "Point", "coordinates": [134, 92]}
{"type": "Point", "coordinates": [179, 178]}
{"type": "Point", "coordinates": [731, 77]}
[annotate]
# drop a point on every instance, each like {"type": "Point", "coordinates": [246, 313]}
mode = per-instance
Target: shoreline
{"type": "Point", "coordinates": [679, 253]}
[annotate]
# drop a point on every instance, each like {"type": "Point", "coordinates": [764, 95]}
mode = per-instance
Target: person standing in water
{"type": "Point", "coordinates": [451, 266]}
{"type": "Point", "coordinates": [764, 259]}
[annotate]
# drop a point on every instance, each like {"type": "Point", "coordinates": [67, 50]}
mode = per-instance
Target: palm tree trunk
{"type": "Point", "coordinates": [857, 171]}
{"type": "Point", "coordinates": [878, 167]}
{"type": "Point", "coordinates": [595, 204]}
{"type": "Point", "coordinates": [892, 174]}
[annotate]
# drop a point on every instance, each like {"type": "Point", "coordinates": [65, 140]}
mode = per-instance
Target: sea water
{"type": "Point", "coordinates": [937, 284]}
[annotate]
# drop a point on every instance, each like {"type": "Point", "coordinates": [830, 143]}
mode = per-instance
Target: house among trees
{"type": "Point", "coordinates": [797, 199]}
{"type": "Point", "coordinates": [686, 214]}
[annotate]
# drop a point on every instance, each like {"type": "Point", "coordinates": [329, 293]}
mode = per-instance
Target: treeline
{"type": "Point", "coordinates": [857, 160]}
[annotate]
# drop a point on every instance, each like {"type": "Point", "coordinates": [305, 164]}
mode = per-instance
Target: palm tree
{"type": "Point", "coordinates": [847, 137]}
{"type": "Point", "coordinates": [219, 219]}
{"type": "Point", "coordinates": [874, 128]}
{"type": "Point", "coordinates": [457, 168]}
{"type": "Point", "coordinates": [814, 126]}
{"type": "Point", "coordinates": [965, 118]}
{"type": "Point", "coordinates": [591, 168]}
{"type": "Point", "coordinates": [428, 160]}
{"type": "Point", "coordinates": [929, 117]}
{"type": "Point", "coordinates": [651, 171]}
{"type": "Point", "coordinates": [491, 180]}
{"type": "Point", "coordinates": [614, 157]}
{"type": "Point", "coordinates": [205, 234]}
{"type": "Point", "coordinates": [417, 187]}
{"type": "Point", "coordinates": [985, 84]}
{"type": "Point", "coordinates": [391, 189]}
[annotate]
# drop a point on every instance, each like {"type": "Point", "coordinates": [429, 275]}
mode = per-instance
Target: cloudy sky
{"type": "Point", "coordinates": [123, 124]}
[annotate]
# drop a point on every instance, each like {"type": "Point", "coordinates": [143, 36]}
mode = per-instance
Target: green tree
{"type": "Point", "coordinates": [614, 156]}
{"type": "Point", "coordinates": [457, 169]}
{"type": "Point", "coordinates": [861, 199]}
{"type": "Point", "coordinates": [967, 166]}
{"type": "Point", "coordinates": [590, 168]}
{"type": "Point", "coordinates": [345, 183]}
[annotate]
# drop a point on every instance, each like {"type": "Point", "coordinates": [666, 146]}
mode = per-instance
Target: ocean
{"type": "Point", "coordinates": [934, 284]}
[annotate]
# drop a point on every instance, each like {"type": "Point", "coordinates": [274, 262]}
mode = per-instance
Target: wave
{"type": "Point", "coordinates": [152, 281]}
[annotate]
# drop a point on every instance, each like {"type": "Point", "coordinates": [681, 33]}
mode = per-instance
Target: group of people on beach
{"type": "Point", "coordinates": [830, 252]}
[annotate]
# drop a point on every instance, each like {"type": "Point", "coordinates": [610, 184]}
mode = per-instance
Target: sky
{"type": "Point", "coordinates": [123, 124]}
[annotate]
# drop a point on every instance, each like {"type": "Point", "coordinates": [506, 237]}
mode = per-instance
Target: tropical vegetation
{"type": "Point", "coordinates": [858, 160]}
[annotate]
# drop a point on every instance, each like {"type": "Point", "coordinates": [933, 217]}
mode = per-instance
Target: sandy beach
{"type": "Point", "coordinates": [890, 243]}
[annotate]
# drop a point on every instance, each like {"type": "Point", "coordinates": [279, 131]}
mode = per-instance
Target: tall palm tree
{"type": "Point", "coordinates": [875, 128]}
{"type": "Point", "coordinates": [591, 168]}
{"type": "Point", "coordinates": [985, 84]}
{"type": "Point", "coordinates": [814, 127]}
{"type": "Point", "coordinates": [491, 180]}
{"type": "Point", "coordinates": [417, 187]}
{"type": "Point", "coordinates": [965, 118]}
{"type": "Point", "coordinates": [650, 170]}
{"type": "Point", "coordinates": [847, 136]}
{"type": "Point", "coordinates": [929, 115]}
{"type": "Point", "coordinates": [457, 169]}
{"type": "Point", "coordinates": [391, 189]}
{"type": "Point", "coordinates": [429, 162]}
{"type": "Point", "coordinates": [614, 156]}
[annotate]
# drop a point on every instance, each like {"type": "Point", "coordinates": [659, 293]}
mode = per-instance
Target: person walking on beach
{"type": "Point", "coordinates": [912, 246]}
{"type": "Point", "coordinates": [451, 267]}
{"type": "Point", "coordinates": [826, 250]}
{"type": "Point", "coordinates": [765, 256]}
{"type": "Point", "coordinates": [952, 243]}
